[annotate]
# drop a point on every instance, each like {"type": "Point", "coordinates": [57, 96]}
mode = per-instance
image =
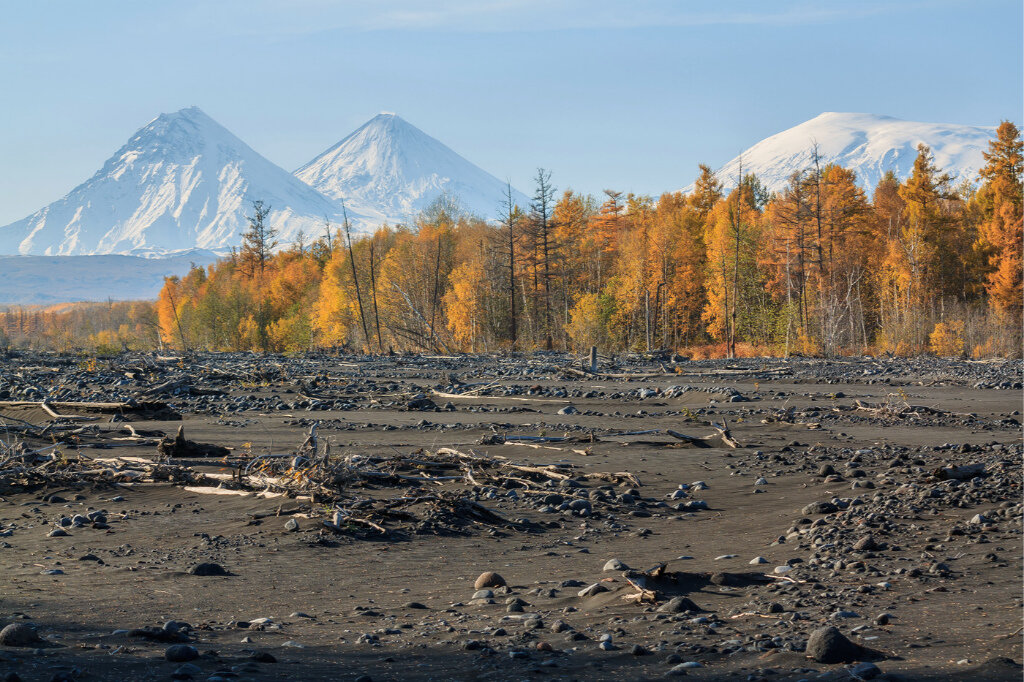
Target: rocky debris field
{"type": "Point", "coordinates": [254, 517]}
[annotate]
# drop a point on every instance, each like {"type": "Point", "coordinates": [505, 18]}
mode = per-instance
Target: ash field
{"type": "Point", "coordinates": [485, 517]}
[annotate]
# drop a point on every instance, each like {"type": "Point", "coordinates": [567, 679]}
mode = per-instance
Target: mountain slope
{"type": "Point", "coordinates": [390, 170]}
{"type": "Point", "coordinates": [866, 143]}
{"type": "Point", "coordinates": [182, 181]}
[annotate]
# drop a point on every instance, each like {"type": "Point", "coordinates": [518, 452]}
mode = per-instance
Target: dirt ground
{"type": "Point", "coordinates": [933, 593]}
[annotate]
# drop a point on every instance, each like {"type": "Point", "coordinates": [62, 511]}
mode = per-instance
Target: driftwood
{"type": "Point", "coordinates": [960, 473]}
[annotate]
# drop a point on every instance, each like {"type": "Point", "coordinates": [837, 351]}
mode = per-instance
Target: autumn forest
{"type": "Point", "coordinates": [821, 268]}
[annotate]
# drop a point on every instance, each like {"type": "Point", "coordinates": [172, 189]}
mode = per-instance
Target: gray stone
{"type": "Point", "coordinates": [820, 508]}
{"type": "Point", "coordinates": [864, 671]}
{"type": "Point", "coordinates": [291, 525]}
{"type": "Point", "coordinates": [615, 565]}
{"type": "Point", "coordinates": [20, 634]}
{"type": "Point", "coordinates": [181, 653]}
{"type": "Point", "coordinates": [829, 645]}
{"type": "Point", "coordinates": [186, 671]}
{"type": "Point", "coordinates": [678, 605]}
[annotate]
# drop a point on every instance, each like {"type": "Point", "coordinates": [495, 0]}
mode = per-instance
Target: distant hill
{"type": "Point", "coordinates": [56, 279]}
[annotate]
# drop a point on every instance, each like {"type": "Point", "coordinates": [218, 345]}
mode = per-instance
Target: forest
{"type": "Point", "coordinates": [821, 268]}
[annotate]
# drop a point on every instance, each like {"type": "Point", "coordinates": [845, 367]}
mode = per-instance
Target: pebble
{"type": "Point", "coordinates": [615, 565]}
{"type": "Point", "coordinates": [291, 525]}
{"type": "Point", "coordinates": [726, 556]}
{"type": "Point", "coordinates": [758, 560]}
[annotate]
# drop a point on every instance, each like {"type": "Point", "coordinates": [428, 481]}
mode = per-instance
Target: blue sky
{"type": "Point", "coordinates": [623, 95]}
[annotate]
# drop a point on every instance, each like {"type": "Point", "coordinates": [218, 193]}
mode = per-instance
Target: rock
{"type": "Point", "coordinates": [591, 590]}
{"type": "Point", "coordinates": [758, 560]}
{"type": "Point", "coordinates": [263, 657]}
{"type": "Point", "coordinates": [489, 579]}
{"type": "Point", "coordinates": [882, 619]}
{"type": "Point", "coordinates": [291, 525]}
{"type": "Point", "coordinates": [19, 634]}
{"type": "Point", "coordinates": [186, 671]}
{"type": "Point", "coordinates": [413, 605]}
{"type": "Point", "coordinates": [176, 626]}
{"type": "Point", "coordinates": [638, 650]}
{"type": "Point", "coordinates": [819, 508]}
{"type": "Point", "coordinates": [568, 409]}
{"type": "Point", "coordinates": [865, 544]}
{"type": "Point", "coordinates": [826, 470]}
{"type": "Point", "coordinates": [421, 403]}
{"type": "Point", "coordinates": [483, 594]}
{"type": "Point", "coordinates": [678, 605]}
{"type": "Point", "coordinates": [208, 568]}
{"type": "Point", "coordinates": [615, 565]}
{"type": "Point", "coordinates": [864, 671]}
{"type": "Point", "coordinates": [829, 645]}
{"type": "Point", "coordinates": [727, 579]}
{"type": "Point", "coordinates": [58, 533]}
{"type": "Point", "coordinates": [181, 653]}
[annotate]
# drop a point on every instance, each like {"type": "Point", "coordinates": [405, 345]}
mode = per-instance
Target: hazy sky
{"type": "Point", "coordinates": [628, 95]}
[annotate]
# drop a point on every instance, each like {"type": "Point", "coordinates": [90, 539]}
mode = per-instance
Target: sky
{"type": "Point", "coordinates": [620, 95]}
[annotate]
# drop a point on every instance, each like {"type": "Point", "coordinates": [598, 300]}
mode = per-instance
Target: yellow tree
{"type": "Point", "coordinates": [1002, 228]}
{"type": "Point", "coordinates": [465, 305]}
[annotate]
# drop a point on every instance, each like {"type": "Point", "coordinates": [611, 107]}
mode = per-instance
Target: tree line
{"type": "Point", "coordinates": [818, 268]}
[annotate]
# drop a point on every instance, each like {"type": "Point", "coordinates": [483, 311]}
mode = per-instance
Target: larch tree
{"type": "Point", "coordinates": [1002, 228]}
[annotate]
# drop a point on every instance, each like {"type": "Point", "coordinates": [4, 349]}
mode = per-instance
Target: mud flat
{"type": "Point", "coordinates": [243, 517]}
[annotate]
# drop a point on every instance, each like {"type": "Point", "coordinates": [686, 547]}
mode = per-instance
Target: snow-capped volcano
{"type": "Point", "coordinates": [183, 181]}
{"type": "Point", "coordinates": [391, 170]}
{"type": "Point", "coordinates": [866, 143]}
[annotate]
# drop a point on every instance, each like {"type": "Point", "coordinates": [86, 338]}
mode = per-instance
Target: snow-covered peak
{"type": "Point", "coordinates": [181, 181]}
{"type": "Point", "coordinates": [869, 144]}
{"type": "Point", "coordinates": [391, 170]}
